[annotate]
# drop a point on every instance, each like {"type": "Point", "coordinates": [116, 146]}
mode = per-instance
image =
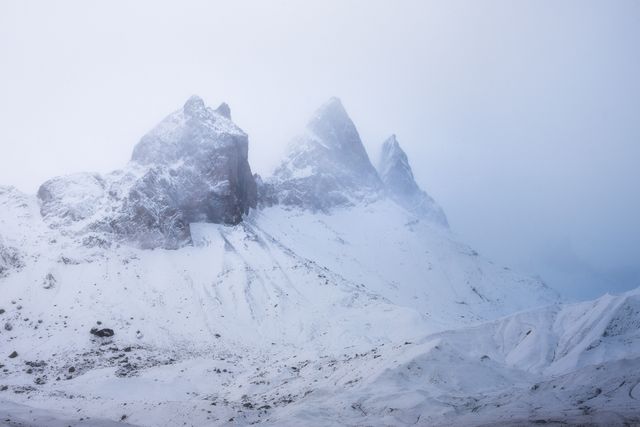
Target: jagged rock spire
{"type": "Point", "coordinates": [224, 110]}
{"type": "Point", "coordinates": [194, 105]}
{"type": "Point", "coordinates": [394, 169]}
{"type": "Point", "coordinates": [332, 124]}
{"type": "Point", "coordinates": [327, 165]}
{"type": "Point", "coordinates": [399, 183]}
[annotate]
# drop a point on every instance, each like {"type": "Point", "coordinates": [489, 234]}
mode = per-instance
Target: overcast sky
{"type": "Point", "coordinates": [521, 118]}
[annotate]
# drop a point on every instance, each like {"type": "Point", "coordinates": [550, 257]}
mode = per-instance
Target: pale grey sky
{"type": "Point", "coordinates": [522, 118]}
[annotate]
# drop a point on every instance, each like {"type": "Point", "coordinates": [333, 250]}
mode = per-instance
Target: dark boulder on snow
{"type": "Point", "coordinates": [49, 281]}
{"type": "Point", "coordinates": [102, 333]}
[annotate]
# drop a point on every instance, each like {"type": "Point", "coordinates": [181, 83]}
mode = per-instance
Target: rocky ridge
{"type": "Point", "coordinates": [193, 167]}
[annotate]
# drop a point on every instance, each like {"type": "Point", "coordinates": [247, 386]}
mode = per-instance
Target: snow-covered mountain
{"type": "Point", "coordinates": [183, 289]}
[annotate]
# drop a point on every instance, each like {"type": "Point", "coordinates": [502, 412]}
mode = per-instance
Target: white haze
{"type": "Point", "coordinates": [522, 119]}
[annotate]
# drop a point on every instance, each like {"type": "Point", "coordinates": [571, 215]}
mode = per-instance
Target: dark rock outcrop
{"type": "Point", "coordinates": [192, 167]}
{"type": "Point", "coordinates": [400, 184]}
{"type": "Point", "coordinates": [10, 259]}
{"type": "Point", "coordinates": [102, 333]}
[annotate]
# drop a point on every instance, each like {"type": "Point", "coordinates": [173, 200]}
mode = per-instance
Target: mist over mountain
{"type": "Point", "coordinates": [184, 289]}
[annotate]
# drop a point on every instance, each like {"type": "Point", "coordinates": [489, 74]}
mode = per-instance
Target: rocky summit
{"type": "Point", "coordinates": [327, 165]}
{"type": "Point", "coordinates": [192, 167]}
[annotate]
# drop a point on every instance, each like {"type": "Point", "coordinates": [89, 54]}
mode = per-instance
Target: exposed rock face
{"type": "Point", "coordinates": [327, 165]}
{"type": "Point", "coordinates": [15, 212]}
{"type": "Point", "coordinates": [400, 184]}
{"type": "Point", "coordinates": [10, 259]}
{"type": "Point", "coordinates": [198, 171]}
{"type": "Point", "coordinates": [192, 167]}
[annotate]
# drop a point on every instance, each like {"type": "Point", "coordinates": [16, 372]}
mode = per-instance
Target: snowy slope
{"type": "Point", "coordinates": [246, 319]}
{"type": "Point", "coordinates": [410, 262]}
{"type": "Point", "coordinates": [267, 279]}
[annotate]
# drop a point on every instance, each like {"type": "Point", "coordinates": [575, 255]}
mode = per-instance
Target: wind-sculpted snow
{"type": "Point", "coordinates": [397, 176]}
{"type": "Point", "coordinates": [327, 166]}
{"type": "Point", "coordinates": [193, 167]}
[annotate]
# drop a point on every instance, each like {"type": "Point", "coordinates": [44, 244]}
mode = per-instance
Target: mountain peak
{"type": "Point", "coordinates": [392, 142]}
{"type": "Point", "coordinates": [333, 104]}
{"type": "Point", "coordinates": [327, 165]}
{"type": "Point", "coordinates": [224, 110]}
{"type": "Point", "coordinates": [185, 133]}
{"type": "Point", "coordinates": [396, 174]}
{"type": "Point", "coordinates": [332, 124]}
{"type": "Point", "coordinates": [191, 167]}
{"type": "Point", "coordinates": [394, 166]}
{"type": "Point", "coordinates": [194, 105]}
